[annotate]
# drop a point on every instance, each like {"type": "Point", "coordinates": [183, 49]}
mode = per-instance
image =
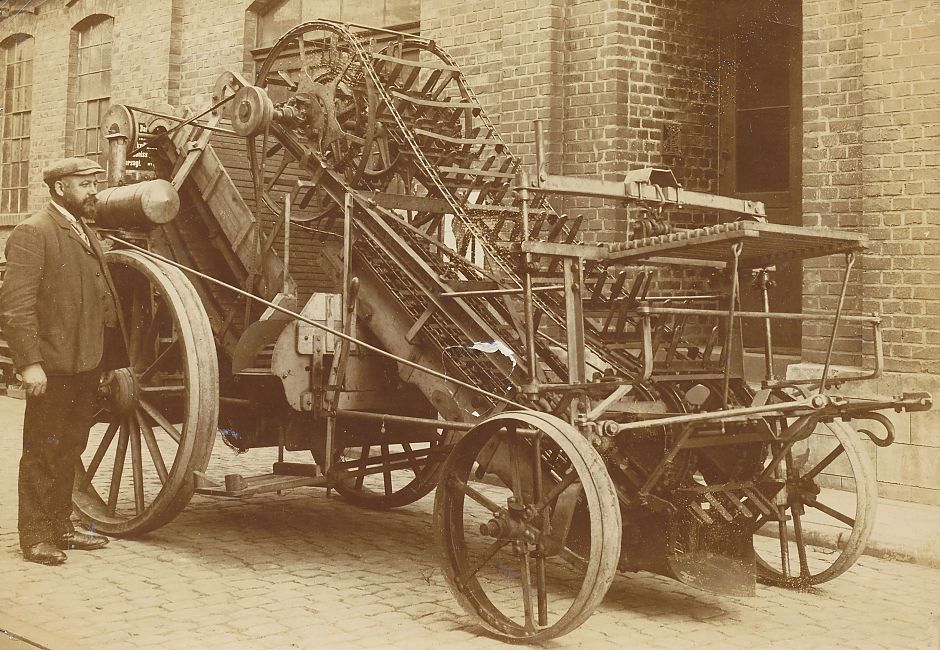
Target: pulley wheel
{"type": "Point", "coordinates": [252, 111]}
{"type": "Point", "coordinates": [119, 120]}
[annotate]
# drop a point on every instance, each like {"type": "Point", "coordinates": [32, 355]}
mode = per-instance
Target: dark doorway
{"type": "Point", "coordinates": [761, 133]}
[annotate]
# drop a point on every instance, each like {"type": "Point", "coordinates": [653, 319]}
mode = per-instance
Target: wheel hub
{"type": "Point", "coordinates": [510, 524]}
{"type": "Point", "coordinates": [121, 389]}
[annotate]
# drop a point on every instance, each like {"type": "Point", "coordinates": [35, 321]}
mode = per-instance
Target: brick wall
{"type": "Point", "coordinates": [605, 78]}
{"type": "Point", "coordinates": [167, 52]}
{"type": "Point", "coordinates": [871, 83]}
{"type": "Point", "coordinates": [211, 41]}
{"type": "Point", "coordinates": [135, 79]}
{"type": "Point", "coordinates": [871, 161]}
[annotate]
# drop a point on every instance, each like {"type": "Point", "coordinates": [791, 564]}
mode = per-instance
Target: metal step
{"type": "Point", "coordinates": [237, 485]}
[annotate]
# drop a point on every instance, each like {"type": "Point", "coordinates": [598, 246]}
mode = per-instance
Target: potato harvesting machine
{"type": "Point", "coordinates": [344, 262]}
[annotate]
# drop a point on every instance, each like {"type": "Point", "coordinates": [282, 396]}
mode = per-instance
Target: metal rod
{"type": "Point", "coordinates": [780, 315]}
{"type": "Point", "coordinates": [736, 249]}
{"type": "Point", "coordinates": [404, 419]}
{"type": "Point", "coordinates": [849, 263]}
{"type": "Point", "coordinates": [304, 319]}
{"type": "Point", "coordinates": [498, 292]}
{"type": "Point", "coordinates": [287, 207]}
{"type": "Point", "coordinates": [540, 168]}
{"type": "Point", "coordinates": [645, 192]}
{"type": "Point", "coordinates": [812, 403]}
{"type": "Point", "coordinates": [764, 281]}
{"type": "Point", "coordinates": [522, 179]}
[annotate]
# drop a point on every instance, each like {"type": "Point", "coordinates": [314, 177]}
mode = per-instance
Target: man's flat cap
{"type": "Point", "coordinates": [70, 167]}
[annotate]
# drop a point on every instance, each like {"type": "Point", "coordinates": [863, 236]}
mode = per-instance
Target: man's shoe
{"type": "Point", "coordinates": [44, 553]}
{"type": "Point", "coordinates": [81, 541]}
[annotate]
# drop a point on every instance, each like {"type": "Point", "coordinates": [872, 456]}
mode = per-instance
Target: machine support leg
{"type": "Point", "coordinates": [729, 336]}
{"type": "Point", "coordinates": [763, 280]}
{"type": "Point", "coordinates": [780, 505]}
{"type": "Point", "coordinates": [849, 263]}
{"type": "Point", "coordinates": [575, 327]}
{"type": "Point", "coordinates": [287, 206]}
{"type": "Point", "coordinates": [522, 182]}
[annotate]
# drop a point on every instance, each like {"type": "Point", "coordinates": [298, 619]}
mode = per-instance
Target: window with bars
{"type": "Point", "coordinates": [91, 86]}
{"type": "Point", "coordinates": [281, 16]}
{"type": "Point", "coordinates": [17, 61]}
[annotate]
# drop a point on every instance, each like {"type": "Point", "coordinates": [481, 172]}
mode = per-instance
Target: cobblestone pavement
{"type": "Point", "coordinates": [306, 570]}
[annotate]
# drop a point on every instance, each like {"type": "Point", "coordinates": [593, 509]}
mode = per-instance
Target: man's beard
{"type": "Point", "coordinates": [84, 209]}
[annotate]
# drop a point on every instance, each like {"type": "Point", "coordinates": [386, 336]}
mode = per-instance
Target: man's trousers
{"type": "Point", "coordinates": [55, 432]}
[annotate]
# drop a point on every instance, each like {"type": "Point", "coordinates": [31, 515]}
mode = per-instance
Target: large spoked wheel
{"type": "Point", "coordinates": [332, 104]}
{"type": "Point", "coordinates": [391, 474]}
{"type": "Point", "coordinates": [787, 553]}
{"type": "Point", "coordinates": [160, 413]}
{"type": "Point", "coordinates": [518, 496]}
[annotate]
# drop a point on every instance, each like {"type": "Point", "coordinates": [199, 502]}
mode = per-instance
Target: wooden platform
{"type": "Point", "coordinates": [764, 244]}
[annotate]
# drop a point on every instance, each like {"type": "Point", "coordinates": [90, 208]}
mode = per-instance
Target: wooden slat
{"type": "Point", "coordinates": [447, 138]}
{"type": "Point", "coordinates": [437, 103]}
{"type": "Point", "coordinates": [428, 64]}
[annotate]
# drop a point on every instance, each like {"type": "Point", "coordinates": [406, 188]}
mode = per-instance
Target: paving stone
{"type": "Point", "coordinates": [307, 570]}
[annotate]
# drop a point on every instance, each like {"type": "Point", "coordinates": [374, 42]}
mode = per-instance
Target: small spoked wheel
{"type": "Point", "coordinates": [829, 495]}
{"type": "Point", "coordinates": [391, 474]}
{"type": "Point", "coordinates": [520, 497]}
{"type": "Point", "coordinates": [159, 414]}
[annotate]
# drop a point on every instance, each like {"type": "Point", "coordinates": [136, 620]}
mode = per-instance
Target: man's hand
{"type": "Point", "coordinates": [34, 380]}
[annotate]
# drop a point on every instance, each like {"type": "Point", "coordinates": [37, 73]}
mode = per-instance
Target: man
{"type": "Point", "coordinates": [55, 306]}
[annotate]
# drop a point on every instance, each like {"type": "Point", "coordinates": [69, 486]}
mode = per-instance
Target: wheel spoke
{"type": "Point", "coordinates": [832, 512]}
{"type": "Point", "coordinates": [526, 576]}
{"type": "Point", "coordinates": [145, 375]}
{"type": "Point", "coordinates": [137, 464]}
{"type": "Point", "coordinates": [570, 479]}
{"type": "Point", "coordinates": [151, 334]}
{"type": "Point", "coordinates": [386, 472]}
{"type": "Point", "coordinates": [541, 591]}
{"type": "Point", "coordinates": [136, 330]}
{"type": "Point", "coordinates": [151, 440]}
{"type": "Point", "coordinates": [537, 491]}
{"type": "Point", "coordinates": [174, 389]}
{"type": "Point", "coordinates": [784, 540]}
{"type": "Point", "coordinates": [161, 420]}
{"type": "Point", "coordinates": [515, 465]}
{"type": "Point", "coordinates": [363, 456]}
{"type": "Point", "coordinates": [824, 463]}
{"type": "Point", "coordinates": [117, 472]}
{"type": "Point", "coordinates": [468, 575]}
{"type": "Point", "coordinates": [796, 510]}
{"type": "Point", "coordinates": [411, 456]}
{"type": "Point", "coordinates": [99, 455]}
{"type": "Point", "coordinates": [800, 543]}
{"type": "Point", "coordinates": [285, 161]}
{"type": "Point", "coordinates": [476, 496]}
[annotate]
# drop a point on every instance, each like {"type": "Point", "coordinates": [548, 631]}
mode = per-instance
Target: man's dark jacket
{"type": "Point", "coordinates": [56, 299]}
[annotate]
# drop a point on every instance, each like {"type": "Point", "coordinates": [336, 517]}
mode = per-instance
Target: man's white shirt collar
{"type": "Point", "coordinates": [65, 213]}
{"type": "Point", "coordinates": [76, 226]}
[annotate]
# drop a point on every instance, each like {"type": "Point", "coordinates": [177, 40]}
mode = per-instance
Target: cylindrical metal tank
{"type": "Point", "coordinates": [141, 205]}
